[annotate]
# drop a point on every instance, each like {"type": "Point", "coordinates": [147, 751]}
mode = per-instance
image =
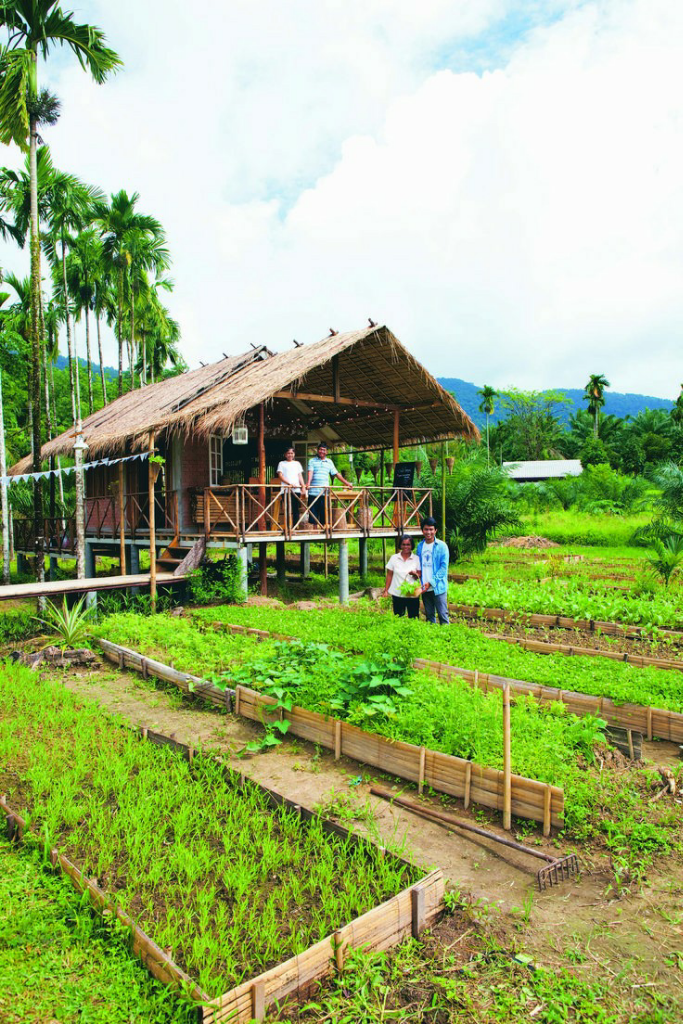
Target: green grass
{"type": "Point", "coordinates": [229, 886]}
{"type": "Point", "coordinates": [61, 962]}
{"type": "Point", "coordinates": [568, 527]}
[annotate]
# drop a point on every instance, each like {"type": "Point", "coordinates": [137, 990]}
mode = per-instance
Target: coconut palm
{"type": "Point", "coordinates": [121, 227]}
{"type": "Point", "coordinates": [594, 394]}
{"type": "Point", "coordinates": [487, 394]}
{"type": "Point", "coordinates": [35, 27]}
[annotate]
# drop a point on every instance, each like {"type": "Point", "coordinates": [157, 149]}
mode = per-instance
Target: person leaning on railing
{"type": "Point", "coordinates": [321, 472]}
{"type": "Point", "coordinates": [291, 475]}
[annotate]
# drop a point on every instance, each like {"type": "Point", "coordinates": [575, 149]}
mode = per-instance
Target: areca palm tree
{"type": "Point", "coordinates": [34, 28]}
{"type": "Point", "coordinates": [487, 395]}
{"type": "Point", "coordinates": [159, 332]}
{"type": "Point", "coordinates": [594, 394]}
{"type": "Point", "coordinates": [122, 228]}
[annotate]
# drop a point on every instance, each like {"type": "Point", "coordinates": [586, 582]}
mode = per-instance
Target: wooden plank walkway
{"type": "Point", "coordinates": [56, 587]}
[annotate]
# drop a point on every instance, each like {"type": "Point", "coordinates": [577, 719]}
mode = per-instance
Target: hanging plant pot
{"type": "Point", "coordinates": [374, 470]}
{"type": "Point", "coordinates": [418, 467]}
{"type": "Point", "coordinates": [450, 462]}
{"type": "Point", "coordinates": [389, 467]}
{"type": "Point", "coordinates": [156, 469]}
{"type": "Point", "coordinates": [433, 464]}
{"type": "Point", "coordinates": [359, 473]}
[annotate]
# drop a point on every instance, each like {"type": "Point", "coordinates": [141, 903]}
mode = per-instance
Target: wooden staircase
{"type": "Point", "coordinates": [181, 557]}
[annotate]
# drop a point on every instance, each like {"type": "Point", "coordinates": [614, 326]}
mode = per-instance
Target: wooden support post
{"type": "Point", "coordinates": [122, 520]}
{"type": "Point", "coordinates": [152, 531]}
{"type": "Point", "coordinates": [258, 1000]}
{"type": "Point", "coordinates": [468, 783]}
{"type": "Point", "coordinates": [396, 435]}
{"type": "Point", "coordinates": [417, 899]}
{"type": "Point", "coordinates": [339, 951]}
{"type": "Point", "coordinates": [337, 739]}
{"type": "Point", "coordinates": [336, 382]}
{"type": "Point", "coordinates": [443, 492]}
{"type": "Point", "coordinates": [421, 770]}
{"type": "Point", "coordinates": [263, 561]}
{"type": "Point", "coordinates": [381, 485]}
{"type": "Point", "coordinates": [547, 809]}
{"type": "Point", "coordinates": [507, 779]}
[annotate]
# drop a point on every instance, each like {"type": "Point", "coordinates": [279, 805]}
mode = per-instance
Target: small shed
{"type": "Point", "coordinates": [542, 469]}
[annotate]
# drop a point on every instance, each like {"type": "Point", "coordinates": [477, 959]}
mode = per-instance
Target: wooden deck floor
{"type": "Point", "coordinates": [57, 587]}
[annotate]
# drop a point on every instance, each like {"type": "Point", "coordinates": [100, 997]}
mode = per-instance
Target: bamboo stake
{"type": "Point", "coordinates": [468, 783]}
{"type": "Point", "coordinates": [5, 503]}
{"type": "Point", "coordinates": [152, 527]}
{"type": "Point", "coordinates": [263, 548]}
{"type": "Point", "coordinates": [337, 739]}
{"type": "Point", "coordinates": [507, 778]}
{"type": "Point", "coordinates": [421, 772]}
{"type": "Point", "coordinates": [547, 807]}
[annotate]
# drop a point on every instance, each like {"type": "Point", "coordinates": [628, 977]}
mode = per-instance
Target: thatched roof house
{"type": "Point", "coordinates": [346, 389]}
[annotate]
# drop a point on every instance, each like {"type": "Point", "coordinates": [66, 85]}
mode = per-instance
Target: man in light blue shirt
{"type": "Point", "coordinates": [433, 555]}
{"type": "Point", "coordinates": [321, 472]}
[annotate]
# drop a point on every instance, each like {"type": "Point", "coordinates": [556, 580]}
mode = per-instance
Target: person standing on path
{"type": "Point", "coordinates": [433, 555]}
{"type": "Point", "coordinates": [321, 473]}
{"type": "Point", "coordinates": [403, 572]}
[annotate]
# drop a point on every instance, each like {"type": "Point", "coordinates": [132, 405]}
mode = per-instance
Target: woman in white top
{"type": "Point", "coordinates": [291, 475]}
{"type": "Point", "coordinates": [403, 571]}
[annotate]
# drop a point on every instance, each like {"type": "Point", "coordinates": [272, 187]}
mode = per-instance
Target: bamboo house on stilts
{"type": "Point", "coordinates": [219, 432]}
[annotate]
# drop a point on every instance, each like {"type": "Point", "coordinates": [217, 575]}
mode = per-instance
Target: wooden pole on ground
{"type": "Point", "coordinates": [507, 778]}
{"type": "Point", "coordinates": [151, 468]}
{"type": "Point", "coordinates": [262, 548]}
{"type": "Point", "coordinates": [122, 520]}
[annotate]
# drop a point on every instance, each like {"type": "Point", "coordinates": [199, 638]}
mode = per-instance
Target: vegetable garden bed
{"type": "Point", "coordinates": [222, 881]}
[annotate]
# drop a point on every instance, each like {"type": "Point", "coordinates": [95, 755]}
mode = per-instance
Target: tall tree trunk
{"type": "Point", "coordinates": [144, 357]}
{"type": "Point", "coordinates": [54, 420]}
{"type": "Point", "coordinates": [77, 365]}
{"type": "Point", "coordinates": [69, 341]}
{"type": "Point", "coordinates": [3, 498]}
{"type": "Point", "coordinates": [488, 449]}
{"type": "Point", "coordinates": [99, 349]}
{"type": "Point", "coordinates": [119, 326]}
{"type": "Point", "coordinates": [48, 416]}
{"type": "Point", "coordinates": [89, 359]}
{"type": "Point", "coordinates": [35, 347]}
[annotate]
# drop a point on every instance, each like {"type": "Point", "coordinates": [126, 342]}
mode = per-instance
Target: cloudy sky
{"type": "Point", "coordinates": [499, 181]}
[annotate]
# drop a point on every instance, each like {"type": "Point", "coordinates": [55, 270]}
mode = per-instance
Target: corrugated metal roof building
{"type": "Point", "coordinates": [543, 469]}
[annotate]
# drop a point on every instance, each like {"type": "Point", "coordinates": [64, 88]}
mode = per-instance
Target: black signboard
{"type": "Point", "coordinates": [403, 475]}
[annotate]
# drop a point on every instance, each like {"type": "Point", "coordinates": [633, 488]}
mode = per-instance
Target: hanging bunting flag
{"type": "Point", "coordinates": [71, 469]}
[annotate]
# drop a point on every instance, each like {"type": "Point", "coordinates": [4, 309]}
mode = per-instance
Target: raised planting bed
{"type": "Point", "coordinates": [573, 602]}
{"type": "Point", "coordinates": [364, 628]}
{"type": "Point", "coordinates": [459, 777]}
{"type": "Point", "coordinates": [651, 722]}
{"type": "Point", "coordinates": [251, 897]}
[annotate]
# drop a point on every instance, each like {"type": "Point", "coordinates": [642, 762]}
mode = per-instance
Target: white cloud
{"type": "Point", "coordinates": [315, 164]}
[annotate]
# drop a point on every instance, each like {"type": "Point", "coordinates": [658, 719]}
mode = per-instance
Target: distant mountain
{"type": "Point", "coordinates": [615, 403]}
{"type": "Point", "coordinates": [62, 362]}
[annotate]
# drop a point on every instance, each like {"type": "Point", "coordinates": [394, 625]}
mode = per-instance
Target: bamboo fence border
{"type": "Point", "coordinates": [407, 913]}
{"type": "Point", "coordinates": [653, 723]}
{"type": "Point", "coordinates": [544, 647]}
{"type": "Point", "coordinates": [480, 611]}
{"type": "Point", "coordinates": [472, 782]}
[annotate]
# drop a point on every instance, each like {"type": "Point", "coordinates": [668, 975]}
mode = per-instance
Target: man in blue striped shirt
{"type": "Point", "coordinates": [321, 472]}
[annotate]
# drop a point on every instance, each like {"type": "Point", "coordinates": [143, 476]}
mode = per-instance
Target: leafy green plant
{"type": "Point", "coordinates": [370, 688]}
{"type": "Point", "coordinates": [68, 626]}
{"type": "Point", "coordinates": [217, 581]}
{"type": "Point", "coordinates": [668, 556]}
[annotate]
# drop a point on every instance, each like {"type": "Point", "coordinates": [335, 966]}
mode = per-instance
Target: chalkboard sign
{"type": "Point", "coordinates": [403, 475]}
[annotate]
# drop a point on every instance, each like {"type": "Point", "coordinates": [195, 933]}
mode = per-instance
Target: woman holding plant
{"type": "Point", "coordinates": [402, 584]}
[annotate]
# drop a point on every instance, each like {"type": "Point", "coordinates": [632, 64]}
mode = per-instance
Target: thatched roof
{"type": "Point", "coordinates": [374, 374]}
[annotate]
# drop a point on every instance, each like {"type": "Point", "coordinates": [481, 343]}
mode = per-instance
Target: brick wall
{"type": "Point", "coordinates": [194, 472]}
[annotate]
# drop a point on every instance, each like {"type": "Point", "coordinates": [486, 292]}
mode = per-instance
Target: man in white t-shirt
{"type": "Point", "coordinates": [291, 474]}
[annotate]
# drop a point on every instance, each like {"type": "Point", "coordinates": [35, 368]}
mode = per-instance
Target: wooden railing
{"type": "Point", "coordinates": [102, 520]}
{"type": "Point", "coordinates": [251, 511]}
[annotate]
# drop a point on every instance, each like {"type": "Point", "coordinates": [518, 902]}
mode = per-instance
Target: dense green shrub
{"type": "Point", "coordinates": [217, 581]}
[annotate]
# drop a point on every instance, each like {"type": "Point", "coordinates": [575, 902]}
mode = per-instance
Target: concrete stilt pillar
{"type": "Point", "coordinates": [363, 556]}
{"type": "Point", "coordinates": [242, 558]}
{"type": "Point", "coordinates": [305, 559]}
{"type": "Point", "coordinates": [343, 572]}
{"type": "Point", "coordinates": [133, 564]}
{"type": "Point", "coordinates": [22, 564]}
{"type": "Point", "coordinates": [54, 565]}
{"type": "Point", "coordinates": [280, 556]}
{"type": "Point", "coordinates": [90, 561]}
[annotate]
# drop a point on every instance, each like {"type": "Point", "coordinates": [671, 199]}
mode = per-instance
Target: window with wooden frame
{"type": "Point", "coordinates": [215, 459]}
